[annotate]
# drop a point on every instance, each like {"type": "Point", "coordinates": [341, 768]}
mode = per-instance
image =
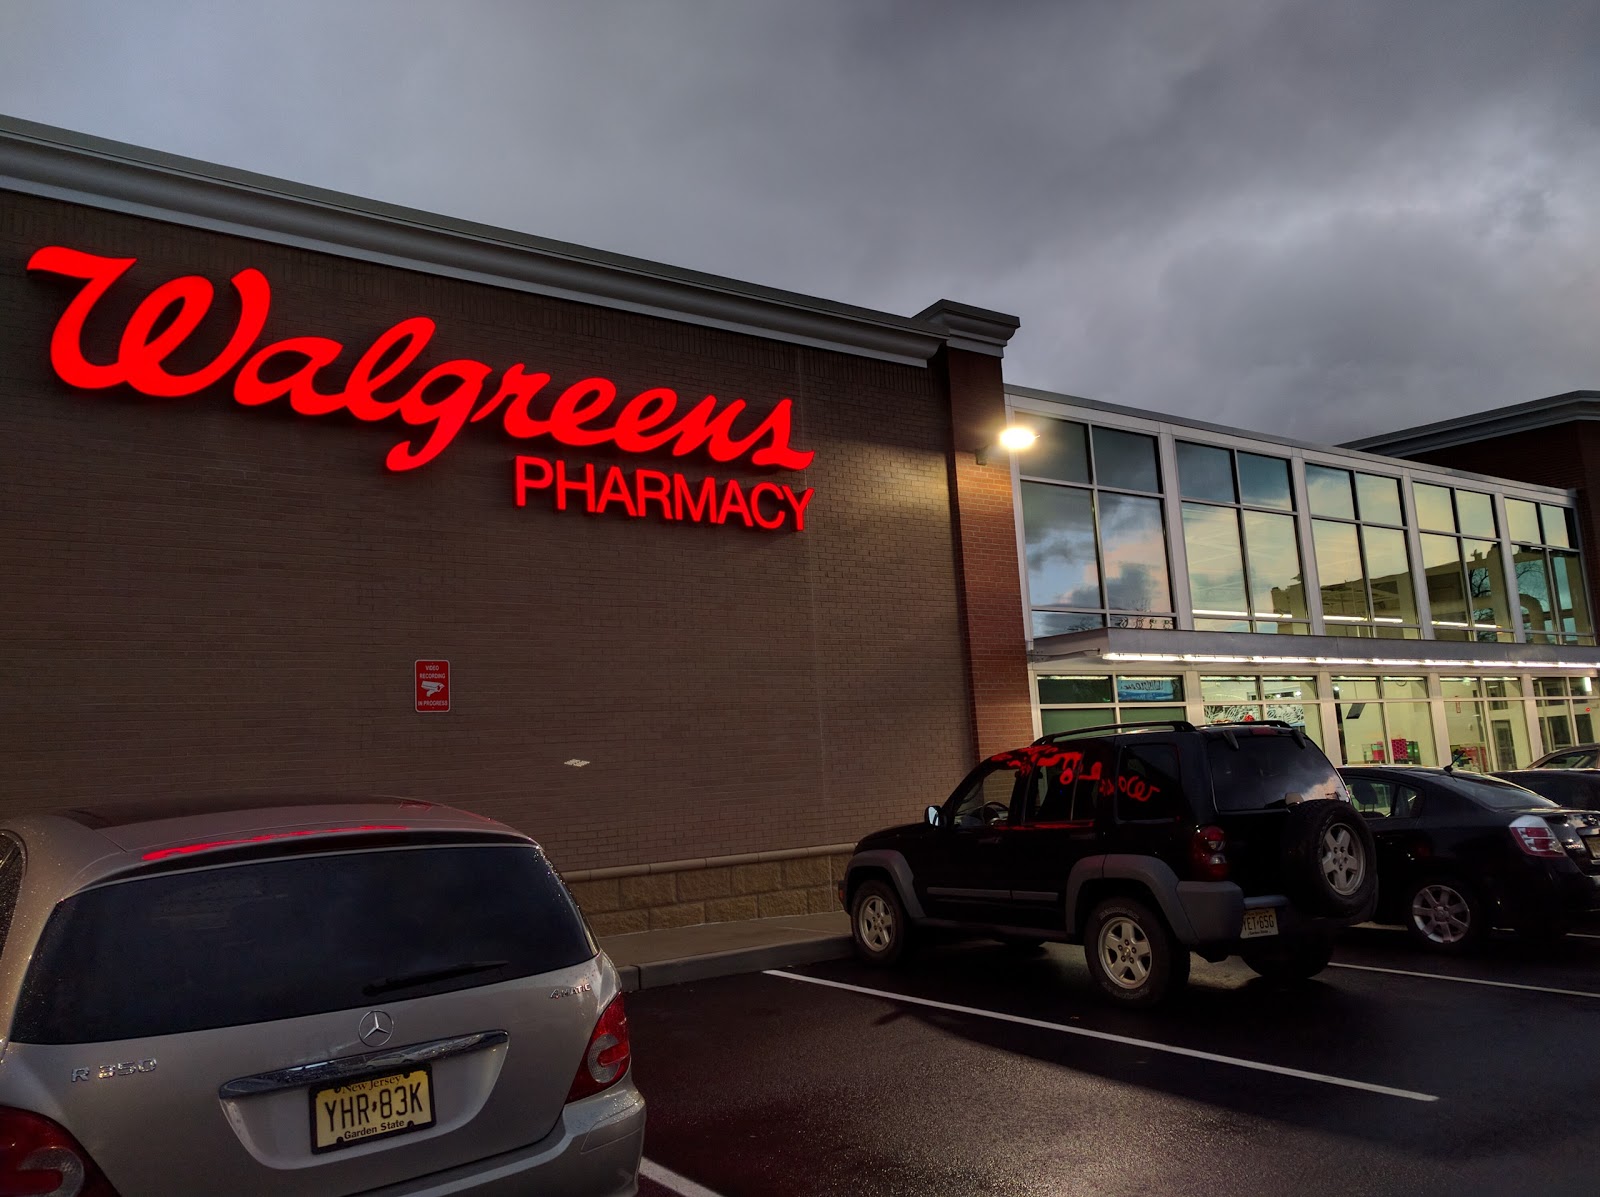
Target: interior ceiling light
{"type": "Point", "coordinates": [1217, 659]}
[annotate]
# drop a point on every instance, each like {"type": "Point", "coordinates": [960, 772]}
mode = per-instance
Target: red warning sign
{"type": "Point", "coordinates": [433, 685]}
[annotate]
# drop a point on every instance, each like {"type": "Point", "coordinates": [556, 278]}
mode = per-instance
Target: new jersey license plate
{"type": "Point", "coordinates": [1258, 923]}
{"type": "Point", "coordinates": [1593, 841]}
{"type": "Point", "coordinates": [375, 1108]}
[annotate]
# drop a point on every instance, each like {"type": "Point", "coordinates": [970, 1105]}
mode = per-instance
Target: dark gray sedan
{"type": "Point", "coordinates": [287, 996]}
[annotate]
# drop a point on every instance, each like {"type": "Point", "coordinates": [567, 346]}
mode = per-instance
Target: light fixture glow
{"type": "Point", "coordinates": [1219, 659]}
{"type": "Point", "coordinates": [1017, 437]}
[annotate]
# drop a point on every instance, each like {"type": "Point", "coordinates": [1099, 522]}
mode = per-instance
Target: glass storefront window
{"type": "Point", "coordinates": [1344, 587]}
{"type": "Point", "coordinates": [1328, 492]}
{"type": "Point", "coordinates": [1063, 569]}
{"type": "Point", "coordinates": [1387, 722]}
{"type": "Point", "coordinates": [1125, 460]}
{"type": "Point", "coordinates": [1533, 594]}
{"type": "Point", "coordinates": [1277, 590]}
{"type": "Point", "coordinates": [1486, 590]}
{"type": "Point", "coordinates": [1224, 690]}
{"type": "Point", "coordinates": [1149, 689]}
{"type": "Point", "coordinates": [1485, 735]}
{"type": "Point", "coordinates": [1264, 481]}
{"type": "Point", "coordinates": [1074, 689]}
{"type": "Point", "coordinates": [1061, 452]}
{"type": "Point", "coordinates": [1572, 606]}
{"type": "Point", "coordinates": [1205, 472]}
{"type": "Point", "coordinates": [1134, 542]}
{"type": "Point", "coordinates": [1394, 599]}
{"type": "Point", "coordinates": [1434, 511]}
{"type": "Point", "coordinates": [1060, 623]}
{"type": "Point", "coordinates": [1476, 513]}
{"type": "Point", "coordinates": [1216, 563]}
{"type": "Point", "coordinates": [1523, 520]}
{"type": "Point", "coordinates": [1379, 499]}
{"type": "Point", "coordinates": [1557, 531]}
{"type": "Point", "coordinates": [1102, 699]}
{"type": "Point", "coordinates": [1441, 562]}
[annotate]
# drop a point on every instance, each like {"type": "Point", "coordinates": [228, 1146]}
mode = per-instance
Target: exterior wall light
{"type": "Point", "coordinates": [1012, 439]}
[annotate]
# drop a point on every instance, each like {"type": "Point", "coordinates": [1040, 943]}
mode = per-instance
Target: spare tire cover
{"type": "Point", "coordinates": [1330, 862]}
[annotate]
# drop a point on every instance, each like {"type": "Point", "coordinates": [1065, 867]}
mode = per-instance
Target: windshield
{"type": "Point", "coordinates": [1264, 770]}
{"type": "Point", "coordinates": [1495, 794]}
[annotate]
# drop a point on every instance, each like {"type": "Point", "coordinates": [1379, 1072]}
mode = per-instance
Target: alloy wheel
{"type": "Point", "coordinates": [1441, 913]}
{"type": "Point", "coordinates": [1344, 861]}
{"type": "Point", "coordinates": [1125, 952]}
{"type": "Point", "coordinates": [875, 923]}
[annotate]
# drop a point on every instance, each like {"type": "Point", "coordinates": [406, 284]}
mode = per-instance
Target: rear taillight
{"type": "Point", "coordinates": [605, 1060]}
{"type": "Point", "coordinates": [1206, 854]}
{"type": "Point", "coordinates": [40, 1159]}
{"type": "Point", "coordinates": [1534, 836]}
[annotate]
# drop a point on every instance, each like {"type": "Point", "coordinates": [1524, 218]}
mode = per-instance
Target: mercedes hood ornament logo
{"type": "Point", "coordinates": [376, 1027]}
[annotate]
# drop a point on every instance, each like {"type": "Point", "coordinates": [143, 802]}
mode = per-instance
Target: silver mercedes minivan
{"type": "Point", "coordinates": [261, 997]}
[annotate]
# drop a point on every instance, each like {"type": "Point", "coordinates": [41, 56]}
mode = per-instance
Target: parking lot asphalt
{"type": "Point", "coordinates": [972, 1069]}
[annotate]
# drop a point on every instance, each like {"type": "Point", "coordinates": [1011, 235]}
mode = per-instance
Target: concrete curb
{"type": "Point", "coordinates": [731, 963]}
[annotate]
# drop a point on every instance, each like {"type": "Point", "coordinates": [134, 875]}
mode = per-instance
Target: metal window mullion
{"type": "Point", "coordinates": [1177, 549]}
{"type": "Point", "coordinates": [1310, 577]}
{"type": "Point", "coordinates": [1419, 572]}
{"type": "Point", "coordinates": [1508, 569]}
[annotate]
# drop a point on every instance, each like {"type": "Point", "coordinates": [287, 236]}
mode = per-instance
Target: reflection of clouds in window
{"type": "Point", "coordinates": [1062, 566]}
{"type": "Point", "coordinates": [1135, 549]}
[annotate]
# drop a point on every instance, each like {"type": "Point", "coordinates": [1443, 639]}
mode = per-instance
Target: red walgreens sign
{"type": "Point", "coordinates": [433, 685]}
{"type": "Point", "coordinates": [583, 415]}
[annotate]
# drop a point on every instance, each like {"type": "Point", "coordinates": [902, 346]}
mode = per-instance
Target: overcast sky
{"type": "Point", "coordinates": [1315, 218]}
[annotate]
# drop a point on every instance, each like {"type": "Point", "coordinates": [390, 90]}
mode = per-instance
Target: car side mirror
{"type": "Point", "coordinates": [932, 816]}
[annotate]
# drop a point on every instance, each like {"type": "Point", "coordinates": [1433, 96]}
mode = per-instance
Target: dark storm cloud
{"type": "Point", "coordinates": [1317, 219]}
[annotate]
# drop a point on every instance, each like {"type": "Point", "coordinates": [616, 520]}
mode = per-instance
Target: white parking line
{"type": "Point", "coordinates": [1146, 1044]}
{"type": "Point", "coordinates": [669, 1179]}
{"type": "Point", "coordinates": [1405, 972]}
{"type": "Point", "coordinates": [1581, 935]}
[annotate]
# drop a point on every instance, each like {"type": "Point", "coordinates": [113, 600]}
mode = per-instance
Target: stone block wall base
{"type": "Point", "coordinates": [712, 893]}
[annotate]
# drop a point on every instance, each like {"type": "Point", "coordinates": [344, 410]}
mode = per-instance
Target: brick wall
{"type": "Point", "coordinates": [987, 541]}
{"type": "Point", "coordinates": [204, 597]}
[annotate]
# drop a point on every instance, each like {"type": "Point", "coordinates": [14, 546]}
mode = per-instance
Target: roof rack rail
{"type": "Point", "coordinates": [1182, 725]}
{"type": "Point", "coordinates": [1252, 723]}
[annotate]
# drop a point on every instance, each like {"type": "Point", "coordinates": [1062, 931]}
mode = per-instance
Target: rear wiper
{"type": "Point", "coordinates": [406, 980]}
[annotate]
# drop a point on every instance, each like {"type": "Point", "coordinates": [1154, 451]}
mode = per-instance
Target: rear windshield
{"type": "Point", "coordinates": [276, 939]}
{"type": "Point", "coordinates": [1263, 770]}
{"type": "Point", "coordinates": [1493, 793]}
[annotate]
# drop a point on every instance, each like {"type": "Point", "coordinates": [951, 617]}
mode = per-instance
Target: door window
{"type": "Point", "coordinates": [985, 801]}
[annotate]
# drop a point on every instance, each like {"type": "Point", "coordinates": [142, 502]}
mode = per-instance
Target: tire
{"type": "Point", "coordinates": [1444, 914]}
{"type": "Point", "coordinates": [1330, 860]}
{"type": "Point", "coordinates": [1299, 960]}
{"type": "Point", "coordinates": [1133, 956]}
{"type": "Point", "coordinates": [878, 924]}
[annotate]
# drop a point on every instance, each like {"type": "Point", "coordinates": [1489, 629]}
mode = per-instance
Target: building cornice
{"type": "Point", "coordinates": [1485, 425]}
{"type": "Point", "coordinates": [977, 330]}
{"type": "Point", "coordinates": [60, 164]}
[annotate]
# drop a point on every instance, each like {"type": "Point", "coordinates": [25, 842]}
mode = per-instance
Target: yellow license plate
{"type": "Point", "coordinates": [380, 1106]}
{"type": "Point", "coordinates": [1258, 923]}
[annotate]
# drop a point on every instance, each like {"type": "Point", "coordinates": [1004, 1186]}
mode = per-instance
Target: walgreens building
{"type": "Point", "coordinates": [694, 580]}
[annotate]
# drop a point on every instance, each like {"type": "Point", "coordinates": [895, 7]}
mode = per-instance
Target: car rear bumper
{"type": "Point", "coordinates": [1558, 890]}
{"type": "Point", "coordinates": [593, 1152]}
{"type": "Point", "coordinates": [1215, 912]}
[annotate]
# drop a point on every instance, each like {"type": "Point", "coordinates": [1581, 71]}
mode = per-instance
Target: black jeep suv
{"type": "Point", "coordinates": [1142, 842]}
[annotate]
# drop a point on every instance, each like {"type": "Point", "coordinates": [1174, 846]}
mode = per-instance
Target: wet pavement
{"type": "Point", "coordinates": [973, 1069]}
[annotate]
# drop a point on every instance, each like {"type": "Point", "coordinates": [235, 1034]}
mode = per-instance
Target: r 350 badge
{"type": "Point", "coordinates": [107, 1071]}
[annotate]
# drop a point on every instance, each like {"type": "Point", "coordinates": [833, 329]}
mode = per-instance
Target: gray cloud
{"type": "Point", "coordinates": [1314, 219]}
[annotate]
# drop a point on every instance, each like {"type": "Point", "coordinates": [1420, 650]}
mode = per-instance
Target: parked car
{"type": "Point", "coordinates": [263, 997]}
{"type": "Point", "coordinates": [1574, 788]}
{"type": "Point", "coordinates": [1575, 756]}
{"type": "Point", "coordinates": [1143, 842]}
{"type": "Point", "coordinates": [1461, 852]}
